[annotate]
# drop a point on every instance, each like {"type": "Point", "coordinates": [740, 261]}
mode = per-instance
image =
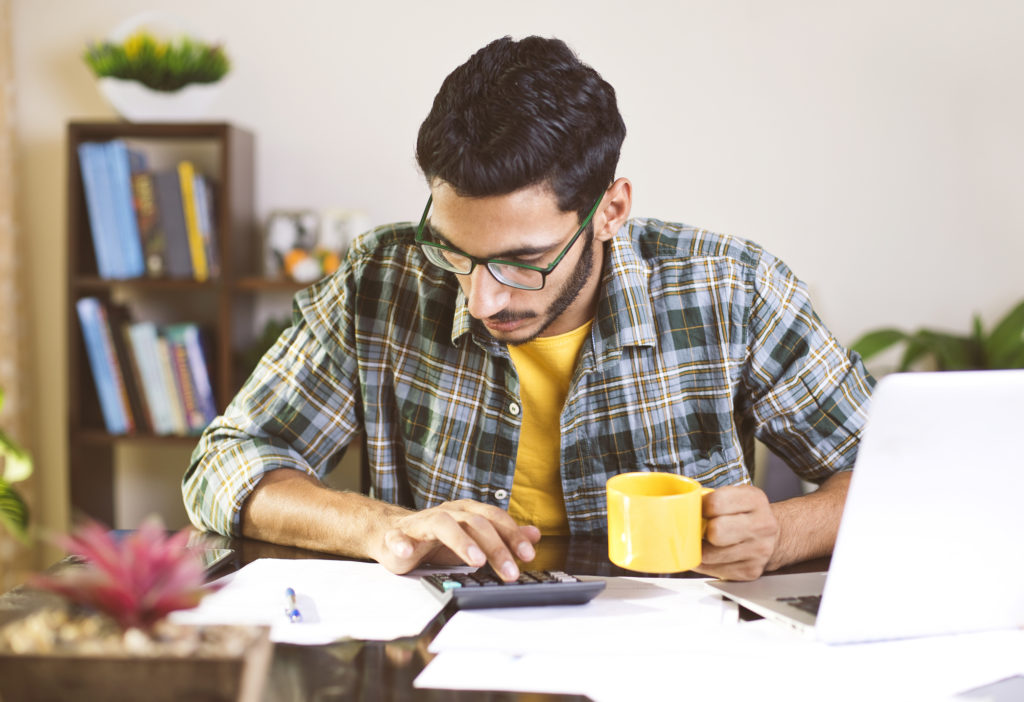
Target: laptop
{"type": "Point", "coordinates": [931, 539]}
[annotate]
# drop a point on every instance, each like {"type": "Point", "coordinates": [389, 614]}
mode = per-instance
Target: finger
{"type": "Point", "coordinates": [494, 546]}
{"type": "Point", "coordinates": [733, 499]}
{"type": "Point", "coordinates": [444, 527]}
{"type": "Point", "coordinates": [739, 570]}
{"type": "Point", "coordinates": [515, 539]}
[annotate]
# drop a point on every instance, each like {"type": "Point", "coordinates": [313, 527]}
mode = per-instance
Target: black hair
{"type": "Point", "coordinates": [519, 114]}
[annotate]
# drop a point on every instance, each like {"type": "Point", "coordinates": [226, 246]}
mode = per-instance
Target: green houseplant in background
{"type": "Point", "coordinates": [1001, 347]}
{"type": "Point", "coordinates": [160, 65]}
{"type": "Point", "coordinates": [15, 466]}
{"type": "Point", "coordinates": [146, 77]}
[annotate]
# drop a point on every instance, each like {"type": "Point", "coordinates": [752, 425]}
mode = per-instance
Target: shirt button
{"type": "Point", "coordinates": [514, 409]}
{"type": "Point", "coordinates": [500, 494]}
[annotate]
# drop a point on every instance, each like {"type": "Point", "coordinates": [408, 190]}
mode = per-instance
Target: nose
{"type": "Point", "coordinates": [484, 295]}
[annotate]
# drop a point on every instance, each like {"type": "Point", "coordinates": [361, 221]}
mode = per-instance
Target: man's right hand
{"type": "Point", "coordinates": [464, 531]}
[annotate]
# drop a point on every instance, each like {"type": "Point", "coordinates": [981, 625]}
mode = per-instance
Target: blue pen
{"type": "Point", "coordinates": [291, 610]}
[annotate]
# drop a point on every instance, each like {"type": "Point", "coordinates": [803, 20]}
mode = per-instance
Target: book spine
{"type": "Point", "coordinates": [172, 222]}
{"type": "Point", "coordinates": [104, 171]}
{"type": "Point", "coordinates": [194, 347]}
{"type": "Point", "coordinates": [119, 321]}
{"type": "Point", "coordinates": [171, 388]}
{"type": "Point", "coordinates": [89, 318]}
{"type": "Point", "coordinates": [118, 370]}
{"type": "Point", "coordinates": [183, 375]}
{"type": "Point", "coordinates": [146, 351]}
{"type": "Point", "coordinates": [204, 210]}
{"type": "Point", "coordinates": [148, 221]}
{"type": "Point", "coordinates": [89, 165]}
{"type": "Point", "coordinates": [130, 244]}
{"type": "Point", "coordinates": [197, 249]}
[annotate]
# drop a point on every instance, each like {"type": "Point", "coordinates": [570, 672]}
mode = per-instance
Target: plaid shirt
{"type": "Point", "coordinates": [699, 343]}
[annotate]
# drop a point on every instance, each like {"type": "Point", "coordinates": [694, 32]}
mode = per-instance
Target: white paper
{"type": "Point", "coordinates": [337, 599]}
{"type": "Point", "coordinates": [638, 614]}
{"type": "Point", "coordinates": [748, 660]}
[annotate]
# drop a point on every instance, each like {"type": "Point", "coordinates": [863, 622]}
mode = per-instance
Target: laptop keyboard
{"type": "Point", "coordinates": [807, 603]}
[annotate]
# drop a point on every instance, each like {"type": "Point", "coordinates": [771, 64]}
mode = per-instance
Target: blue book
{"type": "Point", "coordinates": [119, 163]}
{"type": "Point", "coordinates": [90, 162]}
{"type": "Point", "coordinates": [102, 360]}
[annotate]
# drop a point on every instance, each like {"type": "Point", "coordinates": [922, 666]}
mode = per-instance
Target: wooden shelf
{"type": "Point", "coordinates": [223, 305]}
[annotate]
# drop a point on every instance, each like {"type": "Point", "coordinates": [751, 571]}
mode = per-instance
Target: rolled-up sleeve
{"type": "Point", "coordinates": [297, 410]}
{"type": "Point", "coordinates": [811, 395]}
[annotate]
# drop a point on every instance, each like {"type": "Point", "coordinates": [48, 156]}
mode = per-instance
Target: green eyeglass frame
{"type": "Point", "coordinates": [499, 268]}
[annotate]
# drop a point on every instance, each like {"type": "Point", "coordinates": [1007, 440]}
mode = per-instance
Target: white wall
{"type": "Point", "coordinates": [875, 146]}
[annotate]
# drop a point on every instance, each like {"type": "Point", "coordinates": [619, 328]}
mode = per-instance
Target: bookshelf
{"type": "Point", "coordinates": [223, 304]}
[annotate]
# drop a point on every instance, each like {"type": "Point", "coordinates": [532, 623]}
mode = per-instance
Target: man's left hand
{"type": "Point", "coordinates": [742, 533]}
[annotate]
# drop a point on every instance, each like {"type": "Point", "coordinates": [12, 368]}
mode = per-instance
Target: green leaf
{"type": "Point", "coordinates": [914, 351]}
{"type": "Point", "coordinates": [952, 352]}
{"type": "Point", "coordinates": [13, 511]}
{"type": "Point", "coordinates": [1006, 339]}
{"type": "Point", "coordinates": [875, 342]}
{"type": "Point", "coordinates": [17, 464]}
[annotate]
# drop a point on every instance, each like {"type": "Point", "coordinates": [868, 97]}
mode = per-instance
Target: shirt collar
{"type": "Point", "coordinates": [623, 317]}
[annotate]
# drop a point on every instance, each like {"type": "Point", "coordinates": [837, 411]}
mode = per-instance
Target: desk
{"type": "Point", "coordinates": [371, 671]}
{"type": "Point", "coordinates": [368, 671]}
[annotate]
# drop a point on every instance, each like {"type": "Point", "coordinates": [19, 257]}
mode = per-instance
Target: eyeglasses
{"type": "Point", "coordinates": [512, 273]}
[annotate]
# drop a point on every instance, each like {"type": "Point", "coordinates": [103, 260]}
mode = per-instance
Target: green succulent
{"type": "Point", "coordinates": [1002, 347]}
{"type": "Point", "coordinates": [16, 466]}
{"type": "Point", "coordinates": [160, 65]}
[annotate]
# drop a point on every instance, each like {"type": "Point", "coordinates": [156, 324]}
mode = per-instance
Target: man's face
{"type": "Point", "coordinates": [524, 226]}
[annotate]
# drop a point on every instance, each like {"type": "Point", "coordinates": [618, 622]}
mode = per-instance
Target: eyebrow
{"type": "Point", "coordinates": [503, 256]}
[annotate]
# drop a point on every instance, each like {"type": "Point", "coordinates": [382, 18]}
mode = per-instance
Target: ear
{"type": "Point", "coordinates": [618, 201]}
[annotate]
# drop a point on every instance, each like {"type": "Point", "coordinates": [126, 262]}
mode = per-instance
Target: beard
{"type": "Point", "coordinates": [568, 293]}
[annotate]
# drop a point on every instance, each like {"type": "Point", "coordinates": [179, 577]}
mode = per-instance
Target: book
{"type": "Point", "coordinates": [185, 382]}
{"type": "Point", "coordinates": [143, 338]}
{"type": "Point", "coordinates": [172, 389]}
{"type": "Point", "coordinates": [118, 319]}
{"type": "Point", "coordinates": [196, 246]}
{"type": "Point", "coordinates": [178, 257]}
{"type": "Point", "coordinates": [204, 209]}
{"type": "Point", "coordinates": [103, 364]}
{"type": "Point", "coordinates": [147, 216]}
{"type": "Point", "coordinates": [92, 164]}
{"type": "Point", "coordinates": [119, 164]}
{"type": "Point", "coordinates": [185, 340]}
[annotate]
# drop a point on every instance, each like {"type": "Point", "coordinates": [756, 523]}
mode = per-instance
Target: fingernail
{"type": "Point", "coordinates": [509, 570]}
{"type": "Point", "coordinates": [526, 551]}
{"type": "Point", "coordinates": [402, 549]}
{"type": "Point", "coordinates": [476, 556]}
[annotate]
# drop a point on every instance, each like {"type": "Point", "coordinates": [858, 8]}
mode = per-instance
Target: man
{"type": "Point", "coordinates": [525, 342]}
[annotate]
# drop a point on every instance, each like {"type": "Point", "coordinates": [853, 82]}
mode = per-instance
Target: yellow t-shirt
{"type": "Point", "coordinates": [545, 367]}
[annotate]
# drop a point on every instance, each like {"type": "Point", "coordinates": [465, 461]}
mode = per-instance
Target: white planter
{"type": "Point", "coordinates": [137, 103]}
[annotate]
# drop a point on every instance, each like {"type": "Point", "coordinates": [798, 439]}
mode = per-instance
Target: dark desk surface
{"type": "Point", "coordinates": [373, 670]}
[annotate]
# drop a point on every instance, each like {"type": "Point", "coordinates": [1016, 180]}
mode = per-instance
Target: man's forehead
{"type": "Point", "coordinates": [518, 223]}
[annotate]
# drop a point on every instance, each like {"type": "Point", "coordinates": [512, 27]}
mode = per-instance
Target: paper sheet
{"type": "Point", "coordinates": [648, 614]}
{"type": "Point", "coordinates": [745, 660]}
{"type": "Point", "coordinates": [337, 599]}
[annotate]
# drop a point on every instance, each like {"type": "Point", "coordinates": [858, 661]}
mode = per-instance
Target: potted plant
{"type": "Point", "coordinates": [148, 78]}
{"type": "Point", "coordinates": [15, 466]}
{"type": "Point", "coordinates": [97, 627]}
{"type": "Point", "coordinates": [1002, 347]}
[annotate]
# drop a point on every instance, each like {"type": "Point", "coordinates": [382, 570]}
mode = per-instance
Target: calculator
{"type": "Point", "coordinates": [483, 589]}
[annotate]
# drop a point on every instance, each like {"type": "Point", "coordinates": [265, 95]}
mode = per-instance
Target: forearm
{"type": "Point", "coordinates": [808, 524]}
{"type": "Point", "coordinates": [292, 508]}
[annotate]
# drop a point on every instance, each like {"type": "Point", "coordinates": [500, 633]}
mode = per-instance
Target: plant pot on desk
{"type": "Point", "coordinates": [229, 664]}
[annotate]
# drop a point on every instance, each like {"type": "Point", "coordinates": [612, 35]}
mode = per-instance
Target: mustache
{"type": "Point", "coordinates": [510, 316]}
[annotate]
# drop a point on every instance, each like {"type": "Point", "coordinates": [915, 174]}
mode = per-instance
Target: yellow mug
{"type": "Point", "coordinates": [654, 522]}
